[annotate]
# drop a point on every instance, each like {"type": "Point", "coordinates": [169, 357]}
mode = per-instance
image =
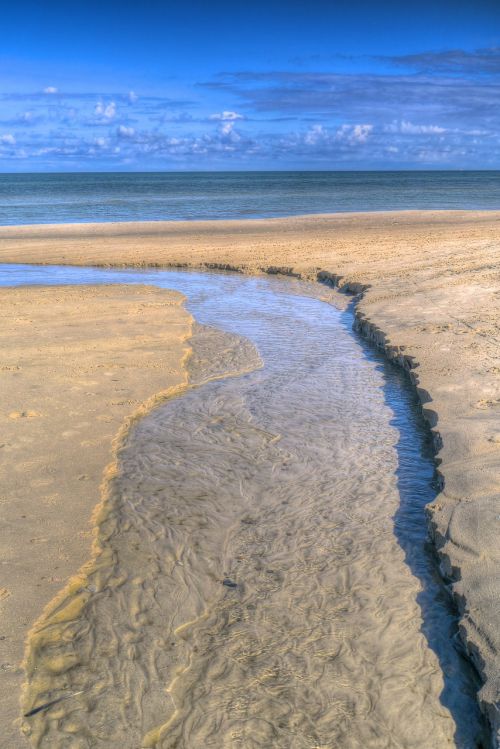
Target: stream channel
{"type": "Point", "coordinates": [267, 579]}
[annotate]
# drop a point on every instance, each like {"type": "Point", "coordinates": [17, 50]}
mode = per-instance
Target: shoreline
{"type": "Point", "coordinates": [428, 311]}
{"type": "Point", "coordinates": [163, 224]}
{"type": "Point", "coordinates": [160, 222]}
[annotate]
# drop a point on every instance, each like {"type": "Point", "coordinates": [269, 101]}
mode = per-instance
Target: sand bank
{"type": "Point", "coordinates": [75, 362]}
{"type": "Point", "coordinates": [431, 299]}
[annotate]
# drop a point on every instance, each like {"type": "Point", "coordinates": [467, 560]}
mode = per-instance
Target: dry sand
{"type": "Point", "coordinates": [74, 363]}
{"type": "Point", "coordinates": [431, 299]}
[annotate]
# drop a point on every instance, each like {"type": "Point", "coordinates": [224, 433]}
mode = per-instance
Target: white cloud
{"type": "Point", "coordinates": [227, 122]}
{"type": "Point", "coordinates": [226, 116]}
{"type": "Point", "coordinates": [316, 134]}
{"type": "Point", "coordinates": [105, 111]}
{"type": "Point", "coordinates": [50, 90]}
{"type": "Point", "coordinates": [410, 128]}
{"type": "Point", "coordinates": [354, 133]}
{"type": "Point", "coordinates": [125, 132]}
{"type": "Point", "coordinates": [360, 133]}
{"type": "Point", "coordinates": [132, 97]}
{"type": "Point", "coordinates": [215, 144]}
{"type": "Point", "coordinates": [8, 139]}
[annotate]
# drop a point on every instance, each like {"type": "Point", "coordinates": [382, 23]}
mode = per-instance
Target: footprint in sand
{"type": "Point", "coordinates": [4, 593]}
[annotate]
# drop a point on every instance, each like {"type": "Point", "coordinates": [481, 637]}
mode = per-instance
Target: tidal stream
{"type": "Point", "coordinates": [266, 579]}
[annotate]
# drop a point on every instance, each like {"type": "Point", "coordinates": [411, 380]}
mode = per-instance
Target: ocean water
{"type": "Point", "coordinates": [89, 197]}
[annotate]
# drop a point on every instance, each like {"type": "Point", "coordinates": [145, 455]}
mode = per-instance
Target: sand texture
{"type": "Point", "coordinates": [74, 363]}
{"type": "Point", "coordinates": [431, 299]}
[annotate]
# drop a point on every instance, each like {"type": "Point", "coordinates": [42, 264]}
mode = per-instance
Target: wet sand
{"type": "Point", "coordinates": [75, 363]}
{"type": "Point", "coordinates": [432, 303]}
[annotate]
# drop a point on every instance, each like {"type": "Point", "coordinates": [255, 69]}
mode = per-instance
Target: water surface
{"type": "Point", "coordinates": [90, 197]}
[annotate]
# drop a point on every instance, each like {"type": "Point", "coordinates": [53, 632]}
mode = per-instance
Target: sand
{"type": "Point", "coordinates": [430, 283]}
{"type": "Point", "coordinates": [75, 362]}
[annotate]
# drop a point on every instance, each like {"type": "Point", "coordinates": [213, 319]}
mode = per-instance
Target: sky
{"type": "Point", "coordinates": [191, 85]}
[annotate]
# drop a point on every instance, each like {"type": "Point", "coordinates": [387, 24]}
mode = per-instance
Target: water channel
{"type": "Point", "coordinates": [266, 578]}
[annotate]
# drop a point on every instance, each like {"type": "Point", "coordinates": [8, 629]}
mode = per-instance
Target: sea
{"type": "Point", "coordinates": [188, 196]}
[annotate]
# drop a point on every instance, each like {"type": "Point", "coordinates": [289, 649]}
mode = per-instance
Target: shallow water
{"type": "Point", "coordinates": [265, 579]}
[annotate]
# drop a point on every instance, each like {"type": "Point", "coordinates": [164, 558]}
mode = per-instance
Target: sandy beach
{"type": "Point", "coordinates": [75, 363]}
{"type": "Point", "coordinates": [430, 298]}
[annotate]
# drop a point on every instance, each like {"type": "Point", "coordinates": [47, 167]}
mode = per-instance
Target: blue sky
{"type": "Point", "coordinates": [259, 85]}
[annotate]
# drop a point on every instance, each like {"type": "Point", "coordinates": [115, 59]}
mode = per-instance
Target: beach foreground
{"type": "Point", "coordinates": [76, 361]}
{"type": "Point", "coordinates": [430, 283]}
